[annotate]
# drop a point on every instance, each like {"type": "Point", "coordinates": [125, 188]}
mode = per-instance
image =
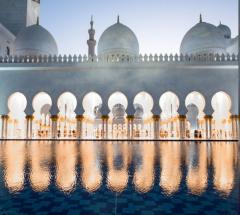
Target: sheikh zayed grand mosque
{"type": "Point", "coordinates": [114, 92]}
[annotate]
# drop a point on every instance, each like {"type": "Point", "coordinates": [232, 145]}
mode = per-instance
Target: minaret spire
{"type": "Point", "coordinates": [200, 18]}
{"type": "Point", "coordinates": [118, 19]}
{"type": "Point", "coordinates": [91, 23]}
{"type": "Point", "coordinates": [38, 20]}
{"type": "Point", "coordinates": [91, 42]}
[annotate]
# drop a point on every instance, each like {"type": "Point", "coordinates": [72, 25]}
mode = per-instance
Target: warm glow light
{"type": "Point", "coordinates": [169, 104]}
{"type": "Point", "coordinates": [146, 101]}
{"type": "Point", "coordinates": [117, 98]}
{"type": "Point", "coordinates": [42, 103]}
{"type": "Point", "coordinates": [67, 103]}
{"type": "Point", "coordinates": [17, 104]}
{"type": "Point", "coordinates": [90, 102]}
{"type": "Point", "coordinates": [197, 99]}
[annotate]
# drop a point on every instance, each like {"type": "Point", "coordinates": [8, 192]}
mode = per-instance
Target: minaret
{"type": "Point", "coordinates": [91, 42]}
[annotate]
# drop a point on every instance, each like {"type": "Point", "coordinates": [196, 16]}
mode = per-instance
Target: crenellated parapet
{"type": "Point", "coordinates": [150, 59]}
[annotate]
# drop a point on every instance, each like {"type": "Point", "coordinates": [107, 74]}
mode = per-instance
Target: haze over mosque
{"type": "Point", "coordinates": [114, 92]}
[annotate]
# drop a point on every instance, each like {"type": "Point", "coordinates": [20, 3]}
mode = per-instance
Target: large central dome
{"type": "Point", "coordinates": [118, 40]}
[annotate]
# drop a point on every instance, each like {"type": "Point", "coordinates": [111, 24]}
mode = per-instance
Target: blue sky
{"type": "Point", "coordinates": [159, 24]}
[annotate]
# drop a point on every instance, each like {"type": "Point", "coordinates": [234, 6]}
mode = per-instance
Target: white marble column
{"type": "Point", "coordinates": [130, 121]}
{"type": "Point", "coordinates": [208, 127]}
{"type": "Point", "coordinates": [29, 126]}
{"type": "Point", "coordinates": [105, 119]}
{"type": "Point", "coordinates": [156, 123]}
{"type": "Point", "coordinates": [4, 126]}
{"type": "Point", "coordinates": [79, 119]}
{"type": "Point", "coordinates": [182, 126]}
{"type": "Point", "coordinates": [54, 120]}
{"type": "Point", "coordinates": [235, 126]}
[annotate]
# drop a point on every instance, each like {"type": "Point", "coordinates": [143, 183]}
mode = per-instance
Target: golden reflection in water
{"type": "Point", "coordinates": [197, 174]}
{"type": "Point", "coordinates": [91, 174]}
{"type": "Point", "coordinates": [143, 178]}
{"type": "Point", "coordinates": [39, 154]}
{"type": "Point", "coordinates": [66, 158]}
{"type": "Point", "coordinates": [14, 164]}
{"type": "Point", "coordinates": [118, 159]}
{"type": "Point", "coordinates": [223, 164]}
{"type": "Point", "coordinates": [170, 162]}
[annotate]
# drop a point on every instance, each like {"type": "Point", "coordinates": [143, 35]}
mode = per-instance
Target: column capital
{"type": "Point", "coordinates": [234, 116]}
{"type": "Point", "coordinates": [182, 117]}
{"type": "Point", "coordinates": [208, 117]}
{"type": "Point", "coordinates": [5, 117]}
{"type": "Point", "coordinates": [156, 117]}
{"type": "Point", "coordinates": [54, 118]}
{"type": "Point", "coordinates": [30, 117]}
{"type": "Point", "coordinates": [105, 117]}
{"type": "Point", "coordinates": [79, 117]}
{"type": "Point", "coordinates": [130, 117]}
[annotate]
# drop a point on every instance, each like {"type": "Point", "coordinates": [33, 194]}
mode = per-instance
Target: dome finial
{"type": "Point", "coordinates": [200, 18]}
{"type": "Point", "coordinates": [91, 23]}
{"type": "Point", "coordinates": [38, 21]}
{"type": "Point", "coordinates": [118, 19]}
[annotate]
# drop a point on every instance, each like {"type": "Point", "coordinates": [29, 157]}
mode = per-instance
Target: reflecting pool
{"type": "Point", "coordinates": [119, 178]}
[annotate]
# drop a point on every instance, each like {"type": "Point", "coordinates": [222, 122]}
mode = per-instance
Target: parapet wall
{"type": "Point", "coordinates": [75, 59]}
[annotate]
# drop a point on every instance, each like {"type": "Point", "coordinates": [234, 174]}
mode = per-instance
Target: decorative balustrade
{"type": "Point", "coordinates": [74, 59]}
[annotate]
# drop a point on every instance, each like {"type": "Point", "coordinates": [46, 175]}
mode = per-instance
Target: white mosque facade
{"type": "Point", "coordinates": [115, 92]}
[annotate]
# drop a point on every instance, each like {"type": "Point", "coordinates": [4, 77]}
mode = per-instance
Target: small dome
{"type": "Point", "coordinates": [35, 40]}
{"type": "Point", "coordinates": [203, 38]}
{"type": "Point", "coordinates": [118, 39]}
{"type": "Point", "coordinates": [226, 31]}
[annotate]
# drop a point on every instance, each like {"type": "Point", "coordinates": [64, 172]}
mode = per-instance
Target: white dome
{"type": "Point", "coordinates": [118, 39]}
{"type": "Point", "coordinates": [226, 31]}
{"type": "Point", "coordinates": [35, 40]}
{"type": "Point", "coordinates": [203, 38]}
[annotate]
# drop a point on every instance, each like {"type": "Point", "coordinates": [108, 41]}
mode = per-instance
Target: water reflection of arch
{"type": "Point", "coordinates": [170, 164]}
{"type": "Point", "coordinates": [144, 156]}
{"type": "Point", "coordinates": [66, 159]}
{"type": "Point", "coordinates": [223, 162]}
{"type": "Point", "coordinates": [40, 155]}
{"type": "Point", "coordinates": [91, 174]}
{"type": "Point", "coordinates": [118, 159]}
{"type": "Point", "coordinates": [197, 162]}
{"type": "Point", "coordinates": [14, 165]}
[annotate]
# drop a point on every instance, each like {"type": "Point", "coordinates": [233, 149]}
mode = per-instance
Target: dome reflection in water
{"type": "Point", "coordinates": [165, 167]}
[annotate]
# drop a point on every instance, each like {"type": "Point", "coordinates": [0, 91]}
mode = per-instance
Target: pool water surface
{"type": "Point", "coordinates": [148, 178]}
